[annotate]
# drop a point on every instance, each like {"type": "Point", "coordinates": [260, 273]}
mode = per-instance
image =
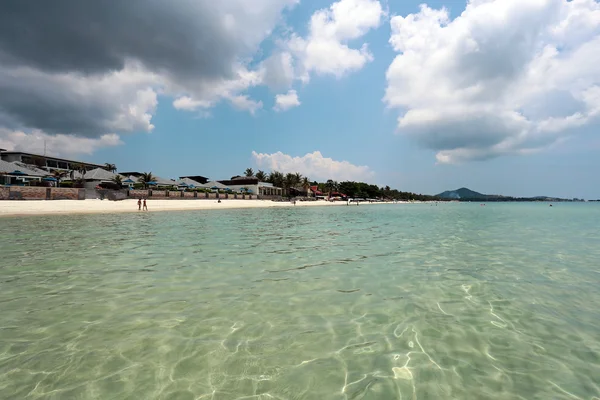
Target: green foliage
{"type": "Point", "coordinates": [110, 167]}
{"type": "Point", "coordinates": [249, 172]}
{"type": "Point", "coordinates": [365, 190]}
{"type": "Point", "coordinates": [59, 175]}
{"type": "Point", "coordinates": [117, 180]}
{"type": "Point", "coordinates": [146, 178]}
{"type": "Point", "coordinates": [261, 176]}
{"type": "Point", "coordinates": [276, 178]}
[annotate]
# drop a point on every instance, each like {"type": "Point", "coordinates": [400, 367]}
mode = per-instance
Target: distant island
{"type": "Point", "coordinates": [464, 194]}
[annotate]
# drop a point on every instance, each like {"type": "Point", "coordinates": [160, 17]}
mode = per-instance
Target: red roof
{"type": "Point", "coordinates": [315, 189]}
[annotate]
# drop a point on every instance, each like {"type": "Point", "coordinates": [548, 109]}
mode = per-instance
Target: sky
{"type": "Point", "coordinates": [500, 96]}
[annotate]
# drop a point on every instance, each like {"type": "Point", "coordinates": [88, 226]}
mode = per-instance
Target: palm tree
{"type": "Point", "coordinates": [146, 178]}
{"type": "Point", "coordinates": [110, 167]}
{"type": "Point", "coordinates": [290, 181]}
{"type": "Point", "coordinates": [117, 180]}
{"type": "Point", "coordinates": [77, 167]}
{"type": "Point", "coordinates": [330, 185]}
{"type": "Point", "coordinates": [249, 172]}
{"type": "Point", "coordinates": [276, 178]}
{"type": "Point", "coordinates": [261, 176]}
{"type": "Point", "coordinates": [59, 174]}
{"type": "Point", "coordinates": [306, 185]}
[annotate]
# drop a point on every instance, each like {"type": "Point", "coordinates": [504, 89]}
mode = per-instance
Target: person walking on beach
{"type": "Point", "coordinates": [145, 206]}
{"type": "Point", "coordinates": [140, 204]}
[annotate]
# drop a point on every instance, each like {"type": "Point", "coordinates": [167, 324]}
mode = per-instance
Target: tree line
{"type": "Point", "coordinates": [296, 181]}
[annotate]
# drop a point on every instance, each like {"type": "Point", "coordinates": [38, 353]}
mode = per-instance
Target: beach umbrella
{"type": "Point", "coordinates": [50, 179]}
{"type": "Point", "coordinates": [17, 172]}
{"type": "Point", "coordinates": [152, 183]}
{"type": "Point", "coordinates": [183, 184]}
{"type": "Point", "coordinates": [128, 181]}
{"type": "Point", "coordinates": [214, 187]}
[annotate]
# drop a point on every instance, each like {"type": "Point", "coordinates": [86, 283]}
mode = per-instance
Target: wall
{"type": "Point", "coordinates": [67, 194]}
{"type": "Point", "coordinates": [27, 193]}
{"type": "Point", "coordinates": [137, 193]}
{"type": "Point", "coordinates": [176, 195]}
{"type": "Point", "coordinates": [40, 193]}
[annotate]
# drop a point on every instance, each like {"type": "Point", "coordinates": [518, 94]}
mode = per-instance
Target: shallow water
{"type": "Point", "coordinates": [455, 301]}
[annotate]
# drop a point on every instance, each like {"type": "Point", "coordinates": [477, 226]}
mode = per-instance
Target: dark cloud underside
{"type": "Point", "coordinates": [186, 38]}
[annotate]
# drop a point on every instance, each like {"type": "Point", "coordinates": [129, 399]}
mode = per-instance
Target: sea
{"type": "Point", "coordinates": [397, 301]}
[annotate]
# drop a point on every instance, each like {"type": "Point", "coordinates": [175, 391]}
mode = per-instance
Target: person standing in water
{"type": "Point", "coordinates": [145, 206]}
{"type": "Point", "coordinates": [140, 204]}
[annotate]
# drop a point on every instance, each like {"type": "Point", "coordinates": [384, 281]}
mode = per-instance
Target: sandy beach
{"type": "Point", "coordinates": [53, 207]}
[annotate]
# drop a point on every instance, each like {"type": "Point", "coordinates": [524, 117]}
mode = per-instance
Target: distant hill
{"type": "Point", "coordinates": [464, 193]}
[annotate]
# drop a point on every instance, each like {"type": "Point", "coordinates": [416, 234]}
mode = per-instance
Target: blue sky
{"type": "Point", "coordinates": [493, 95]}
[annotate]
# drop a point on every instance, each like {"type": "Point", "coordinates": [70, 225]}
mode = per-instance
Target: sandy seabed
{"type": "Point", "coordinates": [93, 206]}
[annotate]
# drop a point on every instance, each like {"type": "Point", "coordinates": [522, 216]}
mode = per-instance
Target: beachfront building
{"type": "Point", "coordinates": [188, 183]}
{"type": "Point", "coordinates": [96, 177]}
{"type": "Point", "coordinates": [134, 177]}
{"type": "Point", "coordinates": [13, 173]}
{"type": "Point", "coordinates": [315, 192]}
{"type": "Point", "coordinates": [196, 178]}
{"type": "Point", "coordinates": [44, 162]}
{"type": "Point", "coordinates": [252, 185]}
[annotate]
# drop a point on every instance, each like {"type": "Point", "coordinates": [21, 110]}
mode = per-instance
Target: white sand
{"type": "Point", "coordinates": [51, 207]}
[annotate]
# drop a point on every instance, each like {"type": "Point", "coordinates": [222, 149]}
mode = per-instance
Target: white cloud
{"type": "Point", "coordinates": [284, 102]}
{"type": "Point", "coordinates": [56, 145]}
{"type": "Point", "coordinates": [325, 50]}
{"type": "Point", "coordinates": [313, 165]}
{"type": "Point", "coordinates": [77, 104]}
{"type": "Point", "coordinates": [188, 104]}
{"type": "Point", "coordinates": [278, 70]}
{"type": "Point", "coordinates": [243, 102]}
{"type": "Point", "coordinates": [206, 95]}
{"type": "Point", "coordinates": [196, 51]}
{"type": "Point", "coordinates": [505, 77]}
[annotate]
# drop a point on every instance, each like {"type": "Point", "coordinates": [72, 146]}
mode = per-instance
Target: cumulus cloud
{"type": "Point", "coordinates": [326, 50]}
{"type": "Point", "coordinates": [284, 102]}
{"type": "Point", "coordinates": [188, 104]}
{"type": "Point", "coordinates": [88, 68]}
{"type": "Point", "coordinates": [278, 70]}
{"type": "Point", "coordinates": [72, 103]}
{"type": "Point", "coordinates": [505, 77]}
{"type": "Point", "coordinates": [313, 165]}
{"type": "Point", "coordinates": [56, 145]}
{"type": "Point", "coordinates": [243, 102]}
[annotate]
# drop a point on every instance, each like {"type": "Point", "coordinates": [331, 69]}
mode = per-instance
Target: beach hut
{"type": "Point", "coordinates": [13, 174]}
{"type": "Point", "coordinates": [162, 182]}
{"type": "Point", "coordinates": [214, 185]}
{"type": "Point", "coordinates": [97, 177]}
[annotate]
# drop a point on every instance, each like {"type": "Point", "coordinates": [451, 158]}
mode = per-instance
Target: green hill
{"type": "Point", "coordinates": [464, 193]}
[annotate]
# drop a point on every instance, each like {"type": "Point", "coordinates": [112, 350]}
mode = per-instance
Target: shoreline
{"type": "Point", "coordinates": [20, 208]}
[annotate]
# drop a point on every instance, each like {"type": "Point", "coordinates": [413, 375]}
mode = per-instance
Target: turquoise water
{"type": "Point", "coordinates": [457, 301]}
